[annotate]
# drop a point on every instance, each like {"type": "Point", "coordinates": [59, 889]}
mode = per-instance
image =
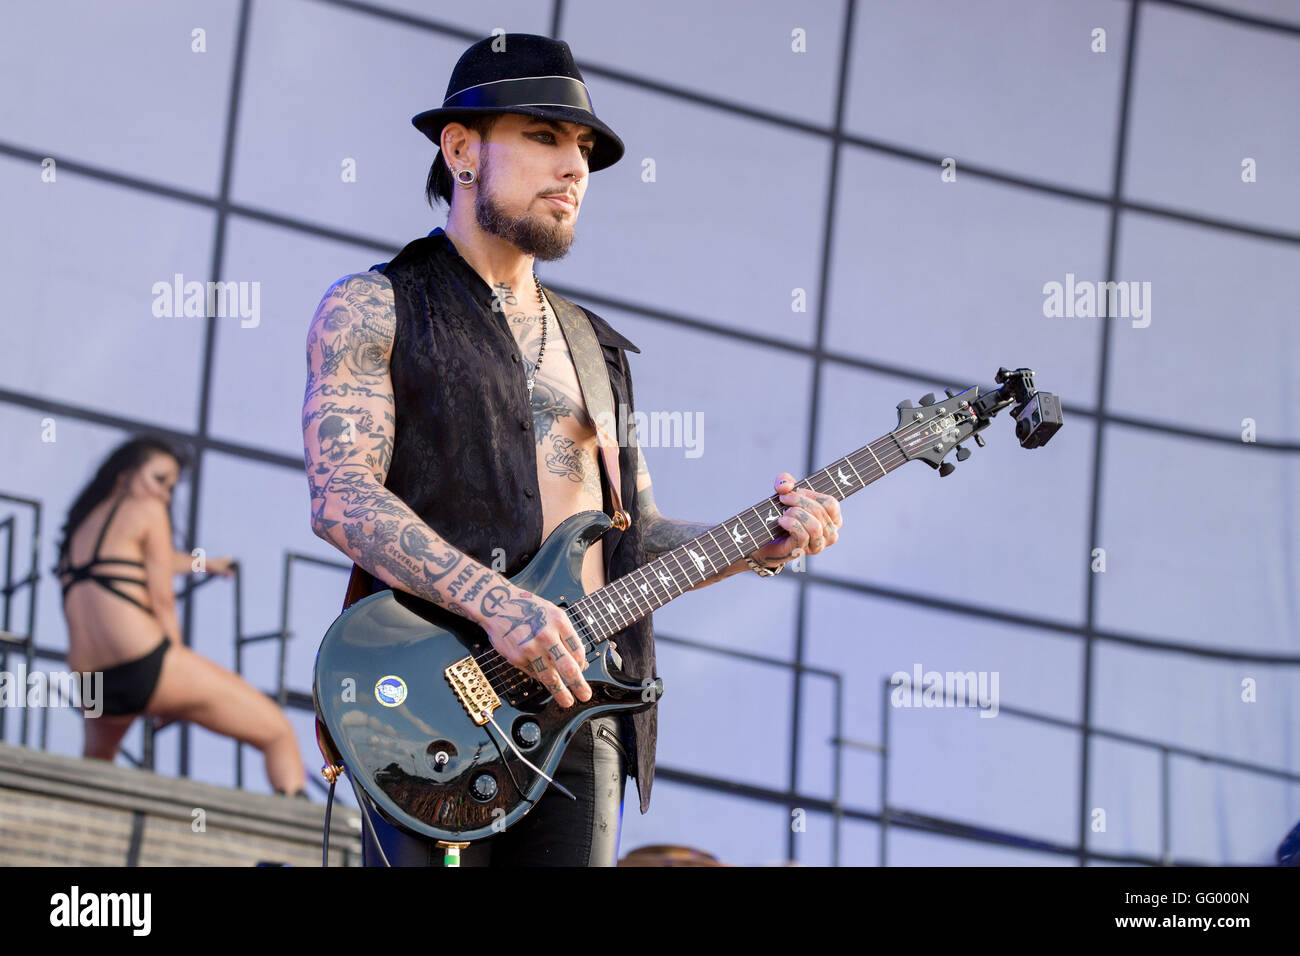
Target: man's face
{"type": "Point", "coordinates": [532, 175]}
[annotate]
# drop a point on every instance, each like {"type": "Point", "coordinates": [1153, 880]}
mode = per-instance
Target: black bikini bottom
{"type": "Point", "coordinates": [128, 686]}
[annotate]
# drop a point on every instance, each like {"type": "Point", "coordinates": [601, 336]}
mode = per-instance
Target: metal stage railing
{"type": "Point", "coordinates": [1024, 841]}
{"type": "Point", "coordinates": [284, 697]}
{"type": "Point", "coordinates": [25, 641]}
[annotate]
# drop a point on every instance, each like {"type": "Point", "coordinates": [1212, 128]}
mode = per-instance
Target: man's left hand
{"type": "Point", "coordinates": [811, 519]}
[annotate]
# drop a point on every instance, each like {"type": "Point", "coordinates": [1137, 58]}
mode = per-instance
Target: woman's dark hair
{"type": "Point", "coordinates": [439, 183]}
{"type": "Point", "coordinates": [126, 457]}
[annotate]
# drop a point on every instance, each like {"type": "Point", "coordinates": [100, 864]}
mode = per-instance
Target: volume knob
{"type": "Point", "coordinates": [484, 787]}
{"type": "Point", "coordinates": [528, 734]}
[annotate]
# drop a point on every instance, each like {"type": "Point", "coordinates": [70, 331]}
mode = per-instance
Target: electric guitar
{"type": "Point", "coordinates": [454, 743]}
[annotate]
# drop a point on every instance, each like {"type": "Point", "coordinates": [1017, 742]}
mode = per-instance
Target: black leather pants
{"type": "Point", "coordinates": [556, 832]}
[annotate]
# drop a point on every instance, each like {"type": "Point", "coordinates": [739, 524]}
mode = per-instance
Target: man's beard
{"type": "Point", "coordinates": [541, 237]}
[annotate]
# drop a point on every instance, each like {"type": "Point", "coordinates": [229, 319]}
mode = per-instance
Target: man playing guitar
{"type": "Point", "coordinates": [412, 392]}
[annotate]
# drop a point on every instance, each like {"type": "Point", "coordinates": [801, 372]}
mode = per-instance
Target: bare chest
{"type": "Point", "coordinates": [568, 469]}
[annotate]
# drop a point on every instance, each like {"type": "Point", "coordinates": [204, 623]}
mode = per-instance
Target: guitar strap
{"type": "Point", "coordinates": [593, 379]}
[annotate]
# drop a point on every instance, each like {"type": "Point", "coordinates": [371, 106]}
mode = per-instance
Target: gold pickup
{"type": "Point", "coordinates": [471, 686]}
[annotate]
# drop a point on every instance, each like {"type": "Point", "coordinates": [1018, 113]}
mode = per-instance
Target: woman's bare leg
{"type": "Point", "coordinates": [193, 688]}
{"type": "Point", "coordinates": [103, 735]}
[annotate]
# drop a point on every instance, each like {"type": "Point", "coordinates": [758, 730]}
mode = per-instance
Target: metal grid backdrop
{"type": "Point", "coordinates": [821, 358]}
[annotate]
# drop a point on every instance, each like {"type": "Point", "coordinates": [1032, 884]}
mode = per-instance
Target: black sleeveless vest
{"type": "Point", "coordinates": [464, 452]}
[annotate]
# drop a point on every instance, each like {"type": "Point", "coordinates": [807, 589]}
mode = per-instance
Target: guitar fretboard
{"type": "Point", "coordinates": [625, 601]}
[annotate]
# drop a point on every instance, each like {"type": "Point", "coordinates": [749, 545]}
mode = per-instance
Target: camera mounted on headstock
{"type": "Point", "coordinates": [929, 432]}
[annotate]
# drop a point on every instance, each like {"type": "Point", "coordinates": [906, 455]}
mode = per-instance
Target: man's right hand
{"type": "Point", "coordinates": [537, 637]}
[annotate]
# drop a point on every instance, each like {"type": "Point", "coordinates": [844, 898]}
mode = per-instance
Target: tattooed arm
{"type": "Point", "coordinates": [348, 424]}
{"type": "Point", "coordinates": [660, 534]}
{"type": "Point", "coordinates": [348, 427]}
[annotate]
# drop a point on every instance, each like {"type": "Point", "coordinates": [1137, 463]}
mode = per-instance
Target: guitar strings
{"type": "Point", "coordinates": [493, 669]}
{"type": "Point", "coordinates": [501, 666]}
{"type": "Point", "coordinates": [515, 678]}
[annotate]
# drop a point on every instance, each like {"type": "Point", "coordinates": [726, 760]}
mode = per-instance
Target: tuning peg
{"type": "Point", "coordinates": [979, 440]}
{"type": "Point", "coordinates": [905, 403]}
{"type": "Point", "coordinates": [927, 398]}
{"type": "Point", "coordinates": [962, 453]}
{"type": "Point", "coordinates": [950, 392]}
{"type": "Point", "coordinates": [946, 469]}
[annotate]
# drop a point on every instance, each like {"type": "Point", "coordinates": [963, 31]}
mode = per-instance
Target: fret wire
{"type": "Point", "coordinates": [837, 485]}
{"type": "Point", "coordinates": [652, 573]}
{"type": "Point", "coordinates": [619, 599]}
{"type": "Point", "coordinates": [647, 591]}
{"type": "Point", "coordinates": [649, 579]}
{"type": "Point", "coordinates": [694, 565]}
{"type": "Point", "coordinates": [582, 626]}
{"type": "Point", "coordinates": [673, 554]}
{"type": "Point", "coordinates": [763, 520]}
{"type": "Point", "coordinates": [721, 550]}
{"type": "Point", "coordinates": [611, 615]}
{"type": "Point", "coordinates": [749, 535]}
{"type": "Point", "coordinates": [630, 589]}
{"type": "Point", "coordinates": [861, 483]}
{"type": "Point", "coordinates": [597, 616]}
{"type": "Point", "coordinates": [622, 599]}
{"type": "Point", "coordinates": [900, 448]}
{"type": "Point", "coordinates": [766, 531]}
{"type": "Point", "coordinates": [877, 458]}
{"type": "Point", "coordinates": [613, 619]}
{"type": "Point", "coordinates": [826, 476]}
{"type": "Point", "coordinates": [660, 566]}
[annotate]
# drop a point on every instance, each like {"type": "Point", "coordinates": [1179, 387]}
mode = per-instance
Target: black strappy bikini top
{"type": "Point", "coordinates": [83, 573]}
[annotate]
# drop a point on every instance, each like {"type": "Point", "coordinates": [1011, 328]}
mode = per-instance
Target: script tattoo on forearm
{"type": "Point", "coordinates": [405, 551]}
{"type": "Point", "coordinates": [354, 488]}
{"type": "Point", "coordinates": [480, 582]}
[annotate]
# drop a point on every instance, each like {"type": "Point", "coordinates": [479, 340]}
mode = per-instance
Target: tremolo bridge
{"type": "Point", "coordinates": [473, 689]}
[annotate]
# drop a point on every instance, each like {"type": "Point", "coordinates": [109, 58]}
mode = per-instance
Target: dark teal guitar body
{"type": "Point", "coordinates": [402, 730]}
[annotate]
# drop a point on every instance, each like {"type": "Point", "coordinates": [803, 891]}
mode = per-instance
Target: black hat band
{"type": "Point", "coordinates": [522, 91]}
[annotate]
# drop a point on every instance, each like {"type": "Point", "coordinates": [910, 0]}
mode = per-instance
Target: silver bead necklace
{"type": "Point", "coordinates": [541, 300]}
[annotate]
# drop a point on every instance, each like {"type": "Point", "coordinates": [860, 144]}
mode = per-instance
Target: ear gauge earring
{"type": "Point", "coordinates": [465, 177]}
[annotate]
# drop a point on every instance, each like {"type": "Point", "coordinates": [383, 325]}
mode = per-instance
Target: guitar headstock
{"type": "Point", "coordinates": [930, 431]}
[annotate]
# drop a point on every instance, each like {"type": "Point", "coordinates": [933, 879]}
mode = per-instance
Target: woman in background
{"type": "Point", "coordinates": [118, 536]}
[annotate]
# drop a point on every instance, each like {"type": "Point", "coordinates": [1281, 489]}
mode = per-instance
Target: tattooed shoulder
{"type": "Point", "coordinates": [353, 329]}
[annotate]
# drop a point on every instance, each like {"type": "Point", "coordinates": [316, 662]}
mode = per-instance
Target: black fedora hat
{"type": "Point", "coordinates": [521, 73]}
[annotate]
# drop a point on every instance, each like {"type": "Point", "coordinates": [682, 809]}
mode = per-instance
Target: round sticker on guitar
{"type": "Point", "coordinates": [390, 691]}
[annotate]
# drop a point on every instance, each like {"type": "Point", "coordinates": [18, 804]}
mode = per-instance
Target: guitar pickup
{"type": "Point", "coordinates": [471, 685]}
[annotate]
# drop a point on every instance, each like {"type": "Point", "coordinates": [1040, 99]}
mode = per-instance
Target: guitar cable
{"type": "Point", "coordinates": [325, 839]}
{"type": "Point", "coordinates": [365, 825]}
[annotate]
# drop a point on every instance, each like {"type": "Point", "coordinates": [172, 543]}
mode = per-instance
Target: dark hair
{"type": "Point", "coordinates": [126, 457]}
{"type": "Point", "coordinates": [439, 183]}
